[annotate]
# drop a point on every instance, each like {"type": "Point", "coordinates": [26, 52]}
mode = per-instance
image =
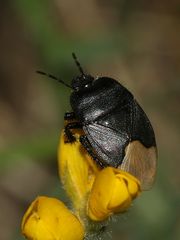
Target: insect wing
{"type": "Point", "coordinates": [108, 144]}
{"type": "Point", "coordinates": [141, 163]}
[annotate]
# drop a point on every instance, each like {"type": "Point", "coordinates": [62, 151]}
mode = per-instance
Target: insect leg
{"type": "Point", "coordinates": [86, 144]}
{"type": "Point", "coordinates": [69, 116]}
{"type": "Point", "coordinates": [68, 133]}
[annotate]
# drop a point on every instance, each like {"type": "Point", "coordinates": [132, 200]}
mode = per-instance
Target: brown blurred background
{"type": "Point", "coordinates": [136, 42]}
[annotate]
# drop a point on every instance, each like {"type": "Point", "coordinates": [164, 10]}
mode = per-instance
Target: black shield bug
{"type": "Point", "coordinates": [117, 132]}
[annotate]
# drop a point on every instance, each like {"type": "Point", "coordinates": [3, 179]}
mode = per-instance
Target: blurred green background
{"type": "Point", "coordinates": [136, 42]}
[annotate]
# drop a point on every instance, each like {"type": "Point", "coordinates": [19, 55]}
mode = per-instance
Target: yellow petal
{"type": "Point", "coordinates": [49, 219]}
{"type": "Point", "coordinates": [77, 170]}
{"type": "Point", "coordinates": [112, 192]}
{"type": "Point", "coordinates": [132, 183]}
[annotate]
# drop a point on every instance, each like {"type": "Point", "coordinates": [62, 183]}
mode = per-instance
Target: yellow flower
{"type": "Point", "coordinates": [95, 193]}
{"type": "Point", "coordinates": [112, 192]}
{"type": "Point", "coordinates": [49, 219]}
{"type": "Point", "coordinates": [77, 171]}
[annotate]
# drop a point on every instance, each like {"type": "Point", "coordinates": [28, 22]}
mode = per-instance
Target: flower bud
{"type": "Point", "coordinates": [112, 192]}
{"type": "Point", "coordinates": [76, 169]}
{"type": "Point", "coordinates": [49, 219]}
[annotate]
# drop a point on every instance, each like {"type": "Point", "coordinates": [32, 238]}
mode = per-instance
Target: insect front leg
{"type": "Point", "coordinates": [86, 144]}
{"type": "Point", "coordinates": [68, 133]}
{"type": "Point", "coordinates": [69, 116]}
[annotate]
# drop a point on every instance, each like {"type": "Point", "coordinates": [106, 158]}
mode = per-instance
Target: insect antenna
{"type": "Point", "coordinates": [55, 78]}
{"type": "Point", "coordinates": [77, 63]}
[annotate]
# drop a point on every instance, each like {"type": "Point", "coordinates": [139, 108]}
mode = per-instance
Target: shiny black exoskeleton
{"type": "Point", "coordinates": [117, 132]}
{"type": "Point", "coordinates": [110, 118]}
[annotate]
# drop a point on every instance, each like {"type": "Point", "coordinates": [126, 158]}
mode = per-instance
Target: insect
{"type": "Point", "coordinates": [117, 132]}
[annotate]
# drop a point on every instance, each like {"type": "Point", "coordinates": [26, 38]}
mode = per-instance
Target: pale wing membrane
{"type": "Point", "coordinates": [108, 144]}
{"type": "Point", "coordinates": [141, 163]}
